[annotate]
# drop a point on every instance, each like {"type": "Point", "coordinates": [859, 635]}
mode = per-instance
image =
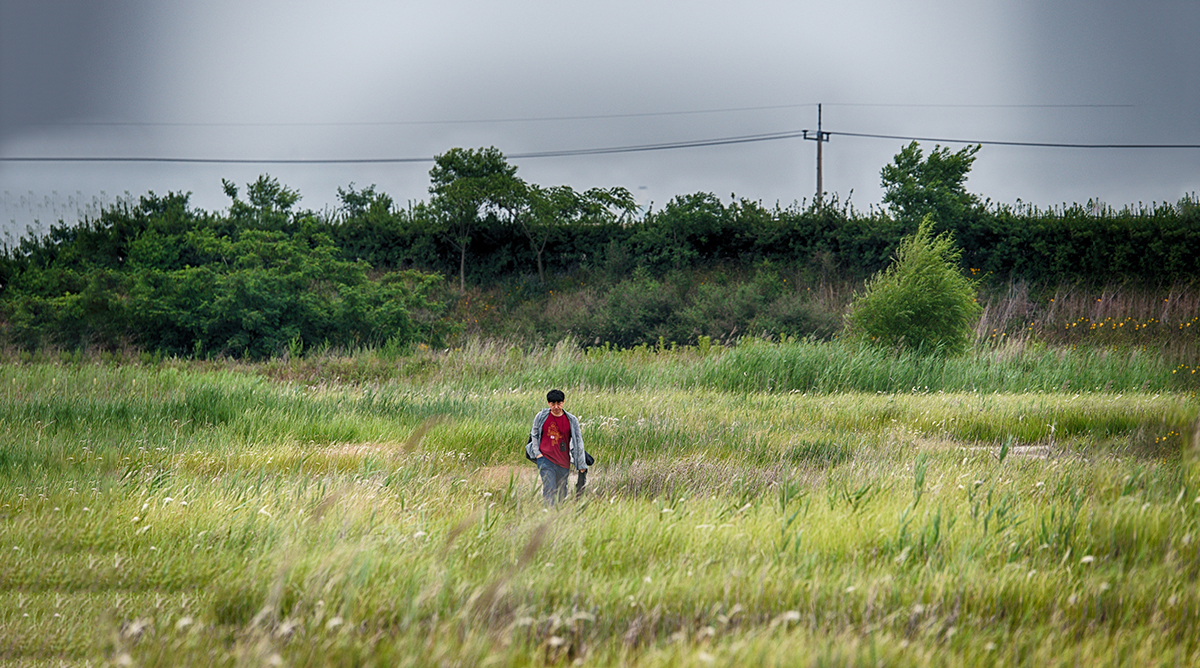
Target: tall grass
{"type": "Point", "coordinates": [1160, 321]}
{"type": "Point", "coordinates": [754, 365]}
{"type": "Point", "coordinates": [168, 515]}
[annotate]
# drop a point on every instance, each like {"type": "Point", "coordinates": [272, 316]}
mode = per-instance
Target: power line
{"type": "Point", "coordinates": [992, 142]}
{"type": "Point", "coordinates": [744, 139]}
{"type": "Point", "coordinates": [637, 148]}
{"type": "Point", "coordinates": [219, 161]}
{"type": "Point", "coordinates": [608, 150]}
{"type": "Point", "coordinates": [981, 106]}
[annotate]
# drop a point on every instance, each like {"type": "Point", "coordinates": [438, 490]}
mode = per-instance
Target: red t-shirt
{"type": "Point", "coordinates": [556, 440]}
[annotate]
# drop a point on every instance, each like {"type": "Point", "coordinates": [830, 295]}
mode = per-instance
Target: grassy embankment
{"type": "Point", "coordinates": [726, 305]}
{"type": "Point", "coordinates": [760, 504]}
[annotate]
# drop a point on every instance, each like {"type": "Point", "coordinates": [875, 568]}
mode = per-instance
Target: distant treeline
{"type": "Point", "coordinates": [1078, 243]}
{"type": "Point", "coordinates": [265, 278]}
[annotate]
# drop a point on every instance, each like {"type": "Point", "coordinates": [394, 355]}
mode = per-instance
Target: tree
{"type": "Point", "coordinates": [467, 184]}
{"type": "Point", "coordinates": [269, 208]}
{"type": "Point", "coordinates": [367, 226]}
{"type": "Point", "coordinates": [542, 210]}
{"type": "Point", "coordinates": [915, 187]}
{"type": "Point", "coordinates": [921, 301]}
{"type": "Point", "coordinates": [686, 231]}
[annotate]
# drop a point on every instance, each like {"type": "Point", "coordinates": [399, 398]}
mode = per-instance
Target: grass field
{"type": "Point", "coordinates": [783, 504]}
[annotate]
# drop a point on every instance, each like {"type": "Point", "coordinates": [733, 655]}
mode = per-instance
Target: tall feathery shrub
{"type": "Point", "coordinates": [922, 301]}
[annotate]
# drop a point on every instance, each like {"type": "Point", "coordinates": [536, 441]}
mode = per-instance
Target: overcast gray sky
{"type": "Point", "coordinates": [362, 79]}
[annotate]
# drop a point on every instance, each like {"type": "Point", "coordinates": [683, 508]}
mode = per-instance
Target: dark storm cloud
{"type": "Point", "coordinates": [1139, 54]}
{"type": "Point", "coordinates": [68, 61]}
{"type": "Point", "coordinates": [1144, 54]}
{"type": "Point", "coordinates": [43, 62]}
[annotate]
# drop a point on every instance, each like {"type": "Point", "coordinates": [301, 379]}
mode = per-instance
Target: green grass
{"type": "Point", "coordinates": [753, 365]}
{"type": "Point", "coordinates": [180, 514]}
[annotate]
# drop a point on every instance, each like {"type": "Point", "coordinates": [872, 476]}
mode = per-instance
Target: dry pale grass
{"type": "Point", "coordinates": [495, 476]}
{"type": "Point", "coordinates": [684, 477]}
{"type": "Point", "coordinates": [362, 449]}
{"type": "Point", "coordinates": [1164, 319]}
{"type": "Point", "coordinates": [1014, 308]}
{"type": "Point", "coordinates": [659, 478]}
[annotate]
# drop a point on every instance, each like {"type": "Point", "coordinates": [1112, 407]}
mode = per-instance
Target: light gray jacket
{"type": "Point", "coordinates": [533, 447]}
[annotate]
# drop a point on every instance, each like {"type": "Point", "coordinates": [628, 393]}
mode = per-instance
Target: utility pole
{"type": "Point", "coordinates": [821, 137]}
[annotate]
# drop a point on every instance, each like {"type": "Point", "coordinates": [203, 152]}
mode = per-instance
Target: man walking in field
{"type": "Point", "coordinates": [555, 443]}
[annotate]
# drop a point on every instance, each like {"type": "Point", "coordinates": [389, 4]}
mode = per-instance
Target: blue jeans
{"type": "Point", "coordinates": [554, 480]}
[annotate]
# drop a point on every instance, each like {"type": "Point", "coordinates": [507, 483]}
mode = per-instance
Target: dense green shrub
{"type": "Point", "coordinates": [679, 307]}
{"type": "Point", "coordinates": [767, 304]}
{"type": "Point", "coordinates": [639, 310]}
{"type": "Point", "coordinates": [255, 282]}
{"type": "Point", "coordinates": [921, 301]}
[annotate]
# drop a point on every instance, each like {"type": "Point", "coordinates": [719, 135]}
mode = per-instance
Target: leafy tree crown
{"type": "Point", "coordinates": [915, 186]}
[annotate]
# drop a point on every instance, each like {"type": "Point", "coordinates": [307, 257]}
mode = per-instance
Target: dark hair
{"type": "Point", "coordinates": [554, 396]}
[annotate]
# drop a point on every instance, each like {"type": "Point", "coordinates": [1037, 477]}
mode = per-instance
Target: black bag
{"type": "Point", "coordinates": [586, 457]}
